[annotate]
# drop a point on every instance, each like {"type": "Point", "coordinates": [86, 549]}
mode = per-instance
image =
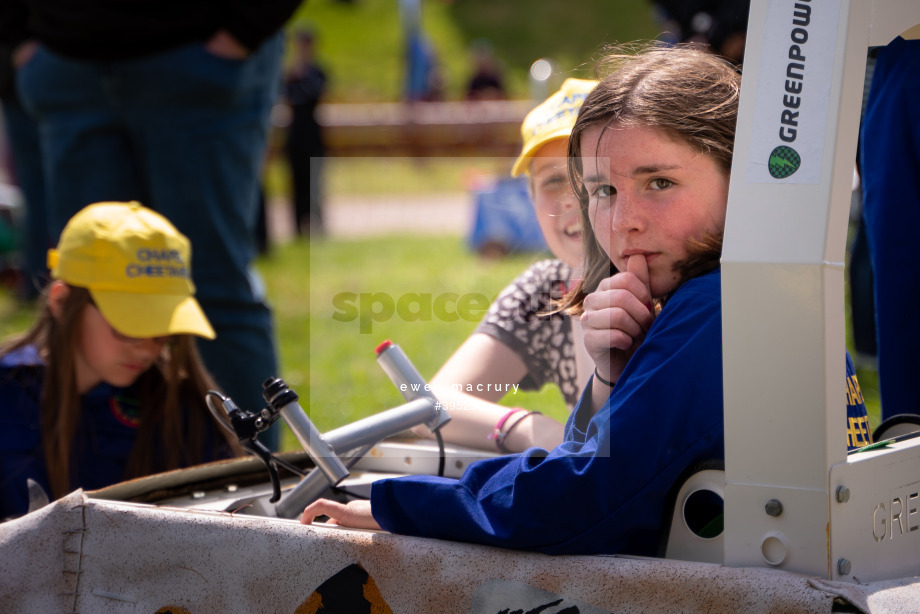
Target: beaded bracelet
{"type": "Point", "coordinates": [500, 440]}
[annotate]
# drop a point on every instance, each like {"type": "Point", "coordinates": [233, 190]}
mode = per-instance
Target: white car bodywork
{"type": "Point", "coordinates": [191, 549]}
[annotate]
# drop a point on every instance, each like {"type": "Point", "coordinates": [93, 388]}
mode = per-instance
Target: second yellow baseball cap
{"type": "Point", "coordinates": [552, 119]}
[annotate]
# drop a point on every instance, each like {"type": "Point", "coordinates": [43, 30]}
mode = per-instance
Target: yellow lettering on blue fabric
{"type": "Point", "coordinates": [854, 390]}
{"type": "Point", "coordinates": [858, 434]}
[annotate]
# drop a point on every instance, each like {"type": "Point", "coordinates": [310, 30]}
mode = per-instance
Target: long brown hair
{"type": "Point", "coordinates": [175, 421]}
{"type": "Point", "coordinates": [688, 93]}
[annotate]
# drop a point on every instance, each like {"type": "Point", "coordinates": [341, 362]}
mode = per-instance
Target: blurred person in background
{"type": "Point", "coordinates": [166, 103]}
{"type": "Point", "coordinates": [487, 81]}
{"type": "Point", "coordinates": [304, 86]}
{"type": "Point", "coordinates": [718, 24]}
{"type": "Point", "coordinates": [423, 75]}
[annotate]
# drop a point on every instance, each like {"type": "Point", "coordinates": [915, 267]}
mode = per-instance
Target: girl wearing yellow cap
{"type": "Point", "coordinates": [518, 343]}
{"type": "Point", "coordinates": [107, 384]}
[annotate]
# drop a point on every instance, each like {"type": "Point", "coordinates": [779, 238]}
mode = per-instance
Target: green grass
{"type": "Point", "coordinates": [361, 42]}
{"type": "Point", "coordinates": [327, 353]}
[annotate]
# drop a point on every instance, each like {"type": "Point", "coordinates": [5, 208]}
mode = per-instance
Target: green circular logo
{"type": "Point", "coordinates": [784, 161]}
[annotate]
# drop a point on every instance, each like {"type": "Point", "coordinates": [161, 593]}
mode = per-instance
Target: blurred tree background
{"type": "Point", "coordinates": [361, 42]}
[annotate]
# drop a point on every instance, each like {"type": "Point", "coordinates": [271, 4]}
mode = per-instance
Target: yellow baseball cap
{"type": "Point", "coordinates": [136, 266]}
{"type": "Point", "coordinates": [552, 119]}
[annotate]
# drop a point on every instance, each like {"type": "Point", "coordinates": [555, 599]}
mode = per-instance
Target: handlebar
{"type": "Point", "coordinates": [324, 450]}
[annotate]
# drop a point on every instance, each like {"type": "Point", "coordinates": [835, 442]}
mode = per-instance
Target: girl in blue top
{"type": "Point", "coordinates": [649, 157]}
{"type": "Point", "coordinates": [107, 384]}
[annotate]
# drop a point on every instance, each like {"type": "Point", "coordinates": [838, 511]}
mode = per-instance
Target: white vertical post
{"type": "Point", "coordinates": [783, 273]}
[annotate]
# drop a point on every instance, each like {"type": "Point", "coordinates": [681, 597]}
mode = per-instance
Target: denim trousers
{"type": "Point", "coordinates": [890, 148]}
{"type": "Point", "coordinates": [183, 132]}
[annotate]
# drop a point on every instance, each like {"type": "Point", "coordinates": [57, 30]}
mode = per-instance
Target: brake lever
{"type": "Point", "coordinates": [246, 426]}
{"type": "Point", "coordinates": [256, 447]}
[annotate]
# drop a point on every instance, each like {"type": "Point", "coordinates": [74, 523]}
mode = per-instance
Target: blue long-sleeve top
{"type": "Point", "coordinates": [603, 490]}
{"type": "Point", "coordinates": [105, 435]}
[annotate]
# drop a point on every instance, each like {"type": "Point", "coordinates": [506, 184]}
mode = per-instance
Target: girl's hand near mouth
{"type": "Point", "coordinates": [616, 317]}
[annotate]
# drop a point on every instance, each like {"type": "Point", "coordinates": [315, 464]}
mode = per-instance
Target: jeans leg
{"type": "Point", "coordinates": [86, 154]}
{"type": "Point", "coordinates": [203, 123]}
